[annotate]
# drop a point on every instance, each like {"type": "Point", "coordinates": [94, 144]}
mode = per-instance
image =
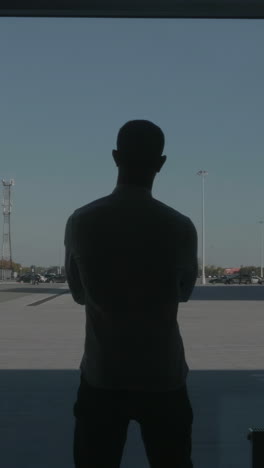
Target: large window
{"type": "Point", "coordinates": [67, 86]}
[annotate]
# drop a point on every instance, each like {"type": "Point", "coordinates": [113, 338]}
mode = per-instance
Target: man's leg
{"type": "Point", "coordinates": [100, 428]}
{"type": "Point", "coordinates": [166, 428]}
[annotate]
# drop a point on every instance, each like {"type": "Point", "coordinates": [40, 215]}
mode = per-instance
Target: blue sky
{"type": "Point", "coordinates": [67, 85]}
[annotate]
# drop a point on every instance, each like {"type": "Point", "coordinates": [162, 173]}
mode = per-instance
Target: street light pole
{"type": "Point", "coordinates": [203, 174]}
{"type": "Point", "coordinates": [59, 261]}
{"type": "Point", "coordinates": [261, 248]}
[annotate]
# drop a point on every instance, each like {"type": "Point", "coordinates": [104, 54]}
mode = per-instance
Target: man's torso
{"type": "Point", "coordinates": [129, 249]}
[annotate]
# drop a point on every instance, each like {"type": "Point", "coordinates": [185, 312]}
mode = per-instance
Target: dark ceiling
{"type": "Point", "coordinates": [134, 8]}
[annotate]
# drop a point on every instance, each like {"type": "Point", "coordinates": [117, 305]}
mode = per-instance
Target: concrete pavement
{"type": "Point", "coordinates": [40, 351]}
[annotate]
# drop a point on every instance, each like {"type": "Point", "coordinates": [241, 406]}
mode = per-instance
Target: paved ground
{"type": "Point", "coordinates": [10, 290]}
{"type": "Point", "coordinates": [41, 343]}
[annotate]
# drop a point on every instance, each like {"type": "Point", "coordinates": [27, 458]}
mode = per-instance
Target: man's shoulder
{"type": "Point", "coordinates": [172, 213]}
{"type": "Point", "coordinates": [91, 207]}
{"type": "Point", "coordinates": [102, 205]}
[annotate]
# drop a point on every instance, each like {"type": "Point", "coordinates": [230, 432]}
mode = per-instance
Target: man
{"type": "Point", "coordinates": [130, 259]}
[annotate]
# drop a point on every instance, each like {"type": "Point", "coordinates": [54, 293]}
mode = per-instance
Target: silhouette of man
{"type": "Point", "coordinates": [130, 259]}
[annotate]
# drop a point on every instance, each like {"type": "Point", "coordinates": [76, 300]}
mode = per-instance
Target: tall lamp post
{"type": "Point", "coordinates": [59, 261]}
{"type": "Point", "coordinates": [261, 248]}
{"type": "Point", "coordinates": [203, 174]}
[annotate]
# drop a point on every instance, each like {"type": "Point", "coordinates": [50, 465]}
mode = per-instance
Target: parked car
{"type": "Point", "coordinates": [29, 278]}
{"type": "Point", "coordinates": [56, 279]}
{"type": "Point", "coordinates": [244, 279]}
{"type": "Point", "coordinates": [48, 277]}
{"type": "Point", "coordinates": [219, 279]}
{"type": "Point", "coordinates": [236, 278]}
{"type": "Point", "coordinates": [256, 280]}
{"type": "Point", "coordinates": [42, 278]}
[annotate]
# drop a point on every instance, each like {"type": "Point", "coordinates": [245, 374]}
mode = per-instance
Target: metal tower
{"type": "Point", "coordinates": [6, 246]}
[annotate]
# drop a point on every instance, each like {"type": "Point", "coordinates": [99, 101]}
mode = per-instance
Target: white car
{"type": "Point", "coordinates": [256, 280]}
{"type": "Point", "coordinates": [42, 278]}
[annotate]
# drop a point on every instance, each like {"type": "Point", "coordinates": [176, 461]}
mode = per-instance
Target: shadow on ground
{"type": "Point", "coordinates": [228, 293]}
{"type": "Point", "coordinates": [36, 419]}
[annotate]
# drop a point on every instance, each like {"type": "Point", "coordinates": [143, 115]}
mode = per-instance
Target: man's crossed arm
{"type": "Point", "coordinates": [71, 267]}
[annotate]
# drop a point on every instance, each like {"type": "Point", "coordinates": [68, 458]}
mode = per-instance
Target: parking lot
{"type": "Point", "coordinates": [11, 290]}
{"type": "Point", "coordinates": [41, 344]}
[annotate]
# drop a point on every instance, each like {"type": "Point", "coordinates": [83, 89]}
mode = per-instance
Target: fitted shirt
{"type": "Point", "coordinates": [130, 259]}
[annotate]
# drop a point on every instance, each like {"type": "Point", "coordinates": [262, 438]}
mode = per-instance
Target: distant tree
{"type": "Point", "coordinates": [210, 270]}
{"type": "Point", "coordinates": [26, 269]}
{"type": "Point", "coordinates": [37, 269]}
{"type": "Point", "coordinates": [250, 270]}
{"type": "Point", "coordinates": [40, 269]}
{"type": "Point", "coordinates": [213, 270]}
{"type": "Point", "coordinates": [16, 267]}
{"type": "Point", "coordinates": [6, 265]}
{"type": "Point", "coordinates": [53, 269]}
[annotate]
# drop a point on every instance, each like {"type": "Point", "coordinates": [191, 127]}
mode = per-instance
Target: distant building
{"type": "Point", "coordinates": [5, 274]}
{"type": "Point", "coordinates": [231, 271]}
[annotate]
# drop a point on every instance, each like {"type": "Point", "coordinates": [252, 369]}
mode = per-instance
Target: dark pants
{"type": "Point", "coordinates": [102, 419]}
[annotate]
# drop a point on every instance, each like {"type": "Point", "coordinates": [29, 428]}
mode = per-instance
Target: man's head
{"type": "Point", "coordinates": [139, 148]}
